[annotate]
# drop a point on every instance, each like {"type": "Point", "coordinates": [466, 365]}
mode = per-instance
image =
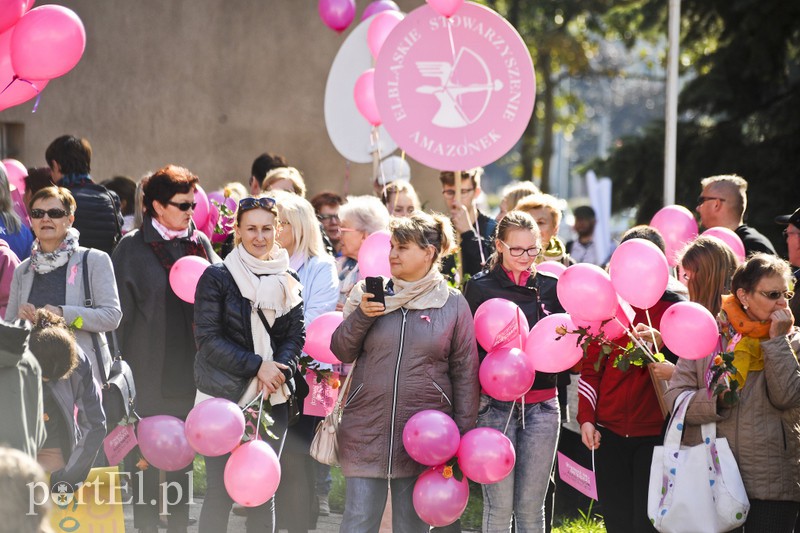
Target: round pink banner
{"type": "Point", "coordinates": [454, 105]}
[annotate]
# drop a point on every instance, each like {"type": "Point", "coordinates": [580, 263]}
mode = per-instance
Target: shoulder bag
{"type": "Point", "coordinates": [119, 390]}
{"type": "Point", "coordinates": [325, 445]}
{"type": "Point", "coordinates": [695, 489]}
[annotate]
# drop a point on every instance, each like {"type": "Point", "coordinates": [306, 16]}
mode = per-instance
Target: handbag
{"type": "Point", "coordinates": [119, 389]}
{"type": "Point", "coordinates": [695, 489]}
{"type": "Point", "coordinates": [325, 445]}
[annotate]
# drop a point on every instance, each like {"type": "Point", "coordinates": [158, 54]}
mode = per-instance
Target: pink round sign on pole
{"type": "Point", "coordinates": [460, 103]}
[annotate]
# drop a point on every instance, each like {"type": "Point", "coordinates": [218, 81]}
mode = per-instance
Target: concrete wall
{"type": "Point", "coordinates": [208, 84]}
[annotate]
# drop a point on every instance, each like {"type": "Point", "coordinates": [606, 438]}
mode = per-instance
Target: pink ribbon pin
{"type": "Point", "coordinates": [426, 317]}
{"type": "Point", "coordinates": [72, 273]}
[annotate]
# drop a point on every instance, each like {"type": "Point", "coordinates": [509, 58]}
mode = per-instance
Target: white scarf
{"type": "Point", "coordinates": [270, 288]}
{"type": "Point", "coordinates": [44, 262]}
{"type": "Point", "coordinates": [428, 292]}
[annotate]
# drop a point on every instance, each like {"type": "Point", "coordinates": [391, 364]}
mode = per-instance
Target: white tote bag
{"type": "Point", "coordinates": [695, 489]}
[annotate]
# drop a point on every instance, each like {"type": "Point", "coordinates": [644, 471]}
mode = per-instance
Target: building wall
{"type": "Point", "coordinates": [207, 84]}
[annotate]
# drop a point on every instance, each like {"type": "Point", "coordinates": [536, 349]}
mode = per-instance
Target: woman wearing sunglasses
{"type": "Point", "coordinates": [763, 425]}
{"type": "Point", "coordinates": [534, 428]}
{"type": "Point", "coordinates": [155, 334]}
{"type": "Point", "coordinates": [250, 332]}
{"type": "Point", "coordinates": [52, 277]}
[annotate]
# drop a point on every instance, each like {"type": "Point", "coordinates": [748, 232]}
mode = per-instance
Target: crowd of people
{"type": "Point", "coordinates": [96, 258]}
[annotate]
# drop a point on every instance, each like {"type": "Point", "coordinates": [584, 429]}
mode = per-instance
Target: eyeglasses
{"type": "Point", "coordinates": [452, 192]}
{"type": "Point", "coordinates": [265, 202]}
{"type": "Point", "coordinates": [703, 199]}
{"type": "Point", "coordinates": [183, 206]}
{"type": "Point", "coordinates": [328, 218]}
{"type": "Point", "coordinates": [787, 233]}
{"type": "Point", "coordinates": [775, 295]}
{"type": "Point", "coordinates": [517, 252]}
{"type": "Point", "coordinates": [52, 213]}
{"type": "Point", "coordinates": [284, 223]}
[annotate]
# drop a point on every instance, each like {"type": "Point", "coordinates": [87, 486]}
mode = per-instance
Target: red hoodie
{"type": "Point", "coordinates": [624, 402]}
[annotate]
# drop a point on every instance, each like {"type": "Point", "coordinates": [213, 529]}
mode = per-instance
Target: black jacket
{"type": "Point", "coordinates": [471, 247]}
{"type": "Point", "coordinates": [537, 296]}
{"type": "Point", "coordinates": [226, 360]}
{"type": "Point", "coordinates": [98, 217]}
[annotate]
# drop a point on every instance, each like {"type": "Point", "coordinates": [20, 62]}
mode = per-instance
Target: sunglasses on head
{"type": "Point", "coordinates": [52, 213]}
{"type": "Point", "coordinates": [183, 206]}
{"type": "Point", "coordinates": [265, 202]}
{"type": "Point", "coordinates": [775, 295]}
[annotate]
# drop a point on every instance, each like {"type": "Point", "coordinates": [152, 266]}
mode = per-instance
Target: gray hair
{"type": "Point", "coordinates": [365, 213]}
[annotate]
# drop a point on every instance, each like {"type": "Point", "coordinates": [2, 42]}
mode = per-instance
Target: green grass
{"type": "Point", "coordinates": [199, 476]}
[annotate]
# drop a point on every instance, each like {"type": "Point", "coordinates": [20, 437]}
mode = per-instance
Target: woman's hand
{"type": "Point", "coordinates": [590, 436]}
{"type": "Point", "coordinates": [55, 310]}
{"type": "Point", "coordinates": [646, 333]}
{"type": "Point", "coordinates": [782, 322]}
{"type": "Point", "coordinates": [371, 309]}
{"type": "Point", "coordinates": [270, 377]}
{"type": "Point", "coordinates": [27, 312]}
{"type": "Point", "coordinates": [663, 370]}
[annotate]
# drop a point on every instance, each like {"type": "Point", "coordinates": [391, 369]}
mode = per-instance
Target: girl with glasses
{"type": "Point", "coordinates": [534, 428]}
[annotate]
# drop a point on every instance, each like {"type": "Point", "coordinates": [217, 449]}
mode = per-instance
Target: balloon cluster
{"type": "Point", "coordinates": [484, 455]}
{"type": "Point", "coordinates": [36, 46]}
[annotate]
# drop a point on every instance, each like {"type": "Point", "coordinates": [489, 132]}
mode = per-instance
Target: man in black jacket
{"type": "Point", "coordinates": [98, 217]}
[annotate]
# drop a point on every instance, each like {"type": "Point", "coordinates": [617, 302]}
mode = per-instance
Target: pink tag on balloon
{"type": "Point", "coordinates": [580, 478]}
{"type": "Point", "coordinates": [321, 396]}
{"type": "Point", "coordinates": [119, 443]}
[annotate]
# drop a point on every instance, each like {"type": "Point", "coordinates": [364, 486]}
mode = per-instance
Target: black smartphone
{"type": "Point", "coordinates": [375, 287]}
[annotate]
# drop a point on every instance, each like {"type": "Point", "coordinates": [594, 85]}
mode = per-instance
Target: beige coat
{"type": "Point", "coordinates": [763, 428]}
{"type": "Point", "coordinates": [407, 361]}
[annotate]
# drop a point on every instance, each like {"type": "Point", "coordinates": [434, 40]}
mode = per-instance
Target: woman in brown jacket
{"type": "Point", "coordinates": [417, 352]}
{"type": "Point", "coordinates": [763, 426]}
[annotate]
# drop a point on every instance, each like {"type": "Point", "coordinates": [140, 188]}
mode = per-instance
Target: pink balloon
{"type": "Point", "coordinates": [163, 443]}
{"type": "Point", "coordinates": [18, 91]}
{"type": "Point", "coordinates": [546, 352]}
{"type": "Point", "coordinates": [202, 211]}
{"type": "Point", "coordinates": [364, 94]}
{"type": "Point", "coordinates": [486, 455]}
{"type": "Point", "coordinates": [379, 6]}
{"type": "Point", "coordinates": [639, 272]}
{"type": "Point", "coordinates": [431, 437]}
{"type": "Point", "coordinates": [252, 473]}
{"type": "Point", "coordinates": [689, 330]}
{"type": "Point", "coordinates": [17, 173]}
{"type": "Point", "coordinates": [337, 14]}
{"type": "Point", "coordinates": [373, 256]}
{"type": "Point", "coordinates": [48, 41]}
{"type": "Point", "coordinates": [678, 227]}
{"type": "Point", "coordinates": [586, 292]}
{"type": "Point", "coordinates": [214, 427]}
{"type": "Point", "coordinates": [500, 322]}
{"type": "Point", "coordinates": [10, 12]}
{"type": "Point", "coordinates": [504, 374]}
{"type": "Point", "coordinates": [446, 8]}
{"type": "Point", "coordinates": [380, 28]}
{"type": "Point", "coordinates": [551, 267]}
{"type": "Point", "coordinates": [184, 275]}
{"type": "Point", "coordinates": [440, 501]}
{"type": "Point", "coordinates": [318, 337]}
{"type": "Point", "coordinates": [730, 238]}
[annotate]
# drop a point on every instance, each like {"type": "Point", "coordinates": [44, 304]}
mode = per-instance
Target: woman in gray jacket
{"type": "Point", "coordinates": [414, 353]}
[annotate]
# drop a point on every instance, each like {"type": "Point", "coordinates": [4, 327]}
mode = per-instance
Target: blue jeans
{"type": "Point", "coordinates": [366, 500]}
{"type": "Point", "coordinates": [521, 495]}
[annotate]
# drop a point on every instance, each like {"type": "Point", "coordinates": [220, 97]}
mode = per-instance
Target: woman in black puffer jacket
{"type": "Point", "coordinates": [250, 332]}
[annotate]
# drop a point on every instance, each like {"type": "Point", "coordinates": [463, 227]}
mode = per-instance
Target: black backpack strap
{"type": "Point", "coordinates": [88, 302]}
{"type": "Point", "coordinates": [117, 213]}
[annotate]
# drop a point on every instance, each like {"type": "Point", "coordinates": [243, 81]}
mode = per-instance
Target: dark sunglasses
{"type": "Point", "coordinates": [703, 199]}
{"type": "Point", "coordinates": [775, 295]}
{"type": "Point", "coordinates": [265, 202]}
{"type": "Point", "coordinates": [52, 213]}
{"type": "Point", "coordinates": [183, 206]}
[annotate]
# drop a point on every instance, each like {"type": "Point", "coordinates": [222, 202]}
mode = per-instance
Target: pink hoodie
{"type": "Point", "coordinates": [8, 262]}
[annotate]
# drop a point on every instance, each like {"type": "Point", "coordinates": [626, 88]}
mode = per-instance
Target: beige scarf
{"type": "Point", "coordinates": [428, 292]}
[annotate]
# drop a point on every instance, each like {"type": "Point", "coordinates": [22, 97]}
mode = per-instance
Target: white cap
{"type": "Point", "coordinates": [393, 168]}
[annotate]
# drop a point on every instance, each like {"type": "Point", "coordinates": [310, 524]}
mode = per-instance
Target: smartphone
{"type": "Point", "coordinates": [375, 287]}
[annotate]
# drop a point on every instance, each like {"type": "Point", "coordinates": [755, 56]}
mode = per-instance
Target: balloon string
{"type": "Point", "coordinates": [346, 177]}
{"type": "Point", "coordinates": [519, 330]}
{"type": "Point", "coordinates": [260, 409]}
{"type": "Point", "coordinates": [15, 78]}
{"type": "Point", "coordinates": [450, 32]}
{"type": "Point", "coordinates": [375, 138]}
{"type": "Point", "coordinates": [652, 330]}
{"type": "Point", "coordinates": [523, 411]}
{"type": "Point", "coordinates": [636, 341]}
{"type": "Point", "coordinates": [510, 414]}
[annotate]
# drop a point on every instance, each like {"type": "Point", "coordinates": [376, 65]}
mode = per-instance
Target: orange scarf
{"type": "Point", "coordinates": [747, 351]}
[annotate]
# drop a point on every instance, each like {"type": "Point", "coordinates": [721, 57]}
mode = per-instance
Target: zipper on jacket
{"type": "Point", "coordinates": [441, 390]}
{"type": "Point", "coordinates": [394, 390]}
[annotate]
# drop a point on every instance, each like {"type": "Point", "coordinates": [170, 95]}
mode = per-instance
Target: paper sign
{"type": "Point", "coordinates": [321, 396]}
{"type": "Point", "coordinates": [455, 93]}
{"type": "Point", "coordinates": [96, 507]}
{"type": "Point", "coordinates": [580, 478]}
{"type": "Point", "coordinates": [118, 443]}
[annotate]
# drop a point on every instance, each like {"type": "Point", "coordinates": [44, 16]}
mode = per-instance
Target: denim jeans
{"type": "Point", "coordinates": [521, 495]}
{"type": "Point", "coordinates": [366, 500]}
{"type": "Point", "coordinates": [217, 505]}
